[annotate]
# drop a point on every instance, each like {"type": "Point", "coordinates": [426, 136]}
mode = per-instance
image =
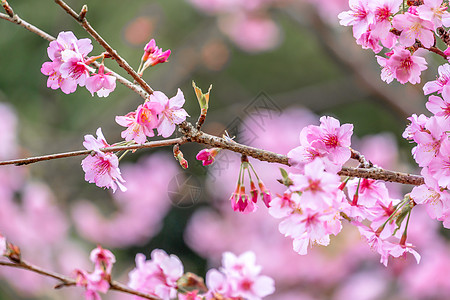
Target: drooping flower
{"type": "Point", "coordinates": [207, 156]}
{"type": "Point", "coordinates": [172, 113]}
{"type": "Point", "coordinates": [101, 168]}
{"type": "Point", "coordinates": [101, 83]}
{"type": "Point", "coordinates": [141, 122]}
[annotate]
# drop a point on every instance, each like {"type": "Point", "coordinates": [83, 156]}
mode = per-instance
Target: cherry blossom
{"type": "Point", "coordinates": [412, 27]}
{"type": "Point", "coordinates": [434, 11]}
{"type": "Point", "coordinates": [406, 67]}
{"type": "Point", "coordinates": [172, 113]}
{"type": "Point", "coordinates": [157, 276]}
{"type": "Point", "coordinates": [239, 277]}
{"type": "Point", "coordinates": [441, 84]}
{"type": "Point", "coordinates": [207, 156]}
{"type": "Point", "coordinates": [103, 259]}
{"type": "Point", "coordinates": [101, 168]}
{"type": "Point", "coordinates": [101, 83]}
{"type": "Point", "coordinates": [141, 122]}
{"type": "Point", "coordinates": [359, 16]}
{"type": "Point", "coordinates": [68, 67]}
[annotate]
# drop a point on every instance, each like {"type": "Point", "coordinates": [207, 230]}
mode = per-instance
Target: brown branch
{"type": "Point", "coordinates": [364, 163]}
{"type": "Point", "coordinates": [67, 281]}
{"type": "Point", "coordinates": [191, 134]}
{"type": "Point", "coordinates": [153, 144]}
{"type": "Point", "coordinates": [382, 174]}
{"type": "Point", "coordinates": [89, 29]}
{"type": "Point", "coordinates": [17, 20]}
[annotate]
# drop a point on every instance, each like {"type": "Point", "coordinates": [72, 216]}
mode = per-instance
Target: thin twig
{"type": "Point", "coordinates": [30, 160]}
{"type": "Point", "coordinates": [89, 29]}
{"type": "Point", "coordinates": [17, 20]}
{"type": "Point", "coordinates": [67, 281]}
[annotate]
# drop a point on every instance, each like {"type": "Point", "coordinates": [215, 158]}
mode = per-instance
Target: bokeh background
{"type": "Point", "coordinates": [275, 67]}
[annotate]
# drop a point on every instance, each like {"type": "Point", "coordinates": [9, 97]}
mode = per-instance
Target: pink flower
{"type": "Point", "coordinates": [74, 67]}
{"type": "Point", "coordinates": [152, 56]}
{"type": "Point", "coordinates": [3, 247]}
{"type": "Point", "coordinates": [190, 296]}
{"type": "Point", "coordinates": [406, 67]}
{"type": "Point", "coordinates": [439, 107]}
{"type": "Point", "coordinates": [239, 277]}
{"type": "Point", "coordinates": [383, 10]}
{"type": "Point", "coordinates": [434, 11]}
{"type": "Point", "coordinates": [370, 191]}
{"type": "Point", "coordinates": [141, 122]}
{"type": "Point", "coordinates": [435, 201]}
{"type": "Point", "coordinates": [401, 250]}
{"type": "Point", "coordinates": [158, 276]}
{"type": "Point", "coordinates": [68, 67]}
{"type": "Point", "coordinates": [318, 188]}
{"type": "Point", "coordinates": [68, 41]}
{"type": "Point", "coordinates": [333, 138]}
{"type": "Point", "coordinates": [103, 259]}
{"type": "Point", "coordinates": [378, 244]}
{"type": "Point", "coordinates": [101, 168]}
{"type": "Point", "coordinates": [368, 40]}
{"type": "Point", "coordinates": [330, 142]}
{"type": "Point", "coordinates": [207, 155]}
{"type": "Point", "coordinates": [441, 84]}
{"type": "Point", "coordinates": [101, 83]}
{"type": "Point", "coordinates": [55, 80]}
{"type": "Point", "coordinates": [93, 282]}
{"type": "Point", "coordinates": [359, 15]}
{"type": "Point", "coordinates": [412, 27]}
{"type": "Point", "coordinates": [241, 202]}
{"type": "Point", "coordinates": [172, 113]}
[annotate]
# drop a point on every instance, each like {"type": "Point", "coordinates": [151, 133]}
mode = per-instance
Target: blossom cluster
{"type": "Point", "coordinates": [314, 204]}
{"type": "Point", "coordinates": [384, 23]}
{"type": "Point", "coordinates": [69, 67]}
{"type": "Point", "coordinates": [432, 151]}
{"type": "Point", "coordinates": [159, 112]}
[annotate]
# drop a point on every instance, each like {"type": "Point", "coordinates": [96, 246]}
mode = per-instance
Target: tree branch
{"type": "Point", "coordinates": [191, 134]}
{"type": "Point", "coordinates": [67, 281]}
{"type": "Point", "coordinates": [30, 160]}
{"type": "Point", "coordinates": [122, 63]}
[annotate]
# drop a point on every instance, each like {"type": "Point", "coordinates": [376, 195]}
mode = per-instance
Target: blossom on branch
{"type": "Point", "coordinates": [239, 278]}
{"type": "Point", "coordinates": [68, 67]}
{"type": "Point", "coordinates": [172, 113]}
{"type": "Point", "coordinates": [101, 168]}
{"type": "Point", "coordinates": [101, 83]}
{"type": "Point", "coordinates": [141, 122]}
{"type": "Point", "coordinates": [157, 276]}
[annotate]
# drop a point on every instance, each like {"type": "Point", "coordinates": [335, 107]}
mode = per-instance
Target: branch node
{"type": "Point", "coordinates": [83, 13]}
{"type": "Point", "coordinates": [8, 8]}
